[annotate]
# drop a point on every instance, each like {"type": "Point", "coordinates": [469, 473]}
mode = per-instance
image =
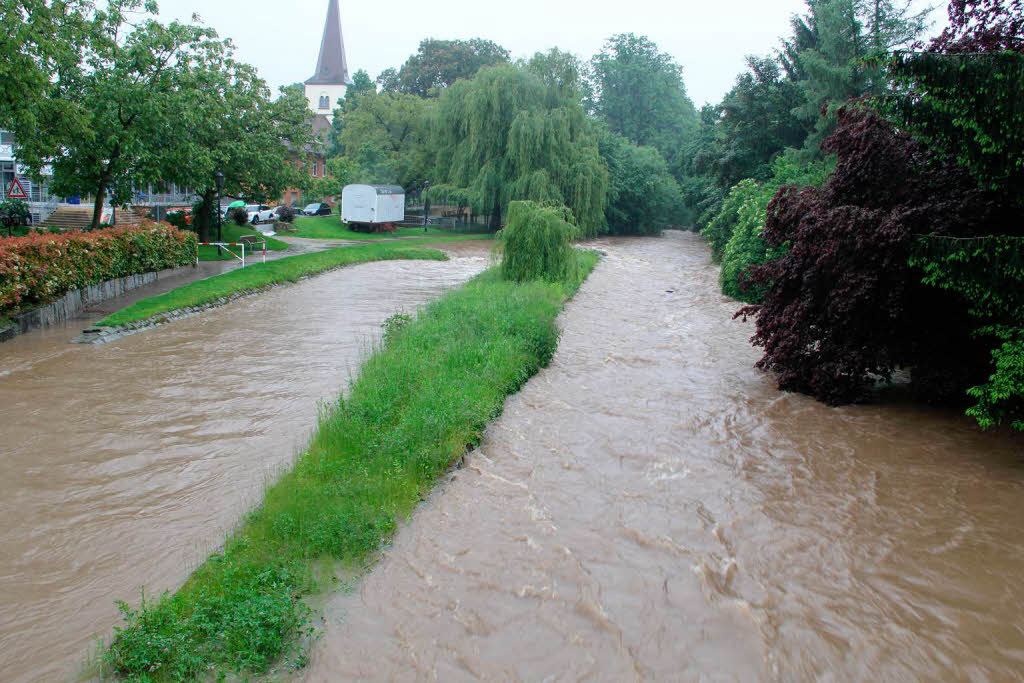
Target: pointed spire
{"type": "Point", "coordinates": [331, 67]}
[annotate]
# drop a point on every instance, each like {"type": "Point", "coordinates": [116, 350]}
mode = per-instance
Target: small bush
{"type": "Point", "coordinates": [285, 214]}
{"type": "Point", "coordinates": [239, 215]}
{"type": "Point", "coordinates": [179, 220]}
{"type": "Point", "coordinates": [537, 243]}
{"type": "Point", "coordinates": [40, 268]}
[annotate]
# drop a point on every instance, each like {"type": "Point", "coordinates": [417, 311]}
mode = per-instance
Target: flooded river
{"type": "Point", "coordinates": [650, 507]}
{"type": "Point", "coordinates": [124, 465]}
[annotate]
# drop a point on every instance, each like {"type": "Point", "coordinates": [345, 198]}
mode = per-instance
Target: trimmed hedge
{"type": "Point", "coordinates": [38, 269]}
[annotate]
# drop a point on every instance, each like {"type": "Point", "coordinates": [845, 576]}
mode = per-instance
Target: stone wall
{"type": "Point", "coordinates": [76, 301]}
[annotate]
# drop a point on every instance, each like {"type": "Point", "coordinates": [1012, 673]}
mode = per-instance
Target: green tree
{"type": "Point", "coordinates": [639, 92]}
{"type": "Point", "coordinates": [643, 197]}
{"type": "Point", "coordinates": [837, 69]}
{"type": "Point", "coordinates": [500, 137]}
{"type": "Point", "coordinates": [341, 171]}
{"type": "Point", "coordinates": [40, 53]}
{"type": "Point", "coordinates": [228, 123]}
{"type": "Point", "coordinates": [439, 63]}
{"type": "Point", "coordinates": [128, 94]}
{"type": "Point", "coordinates": [386, 135]}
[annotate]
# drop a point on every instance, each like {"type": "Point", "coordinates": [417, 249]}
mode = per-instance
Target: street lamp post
{"type": "Point", "coordinates": [426, 205]}
{"type": "Point", "coordinates": [218, 178]}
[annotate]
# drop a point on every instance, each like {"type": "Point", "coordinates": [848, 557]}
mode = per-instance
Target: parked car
{"type": "Point", "coordinates": [260, 213]}
{"type": "Point", "coordinates": [319, 209]}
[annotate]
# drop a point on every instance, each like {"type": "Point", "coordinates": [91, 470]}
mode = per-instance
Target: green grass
{"type": "Point", "coordinates": [331, 228]}
{"type": "Point", "coordinates": [288, 269]}
{"type": "Point", "coordinates": [232, 233]}
{"type": "Point", "coordinates": [418, 403]}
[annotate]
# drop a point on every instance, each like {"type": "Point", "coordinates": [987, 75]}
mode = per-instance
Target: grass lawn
{"type": "Point", "coordinates": [440, 377]}
{"type": "Point", "coordinates": [331, 228]}
{"type": "Point", "coordinates": [288, 269]}
{"type": "Point", "coordinates": [232, 233]}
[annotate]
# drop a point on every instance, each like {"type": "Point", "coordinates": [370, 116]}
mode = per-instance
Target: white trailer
{"type": "Point", "coordinates": [372, 208]}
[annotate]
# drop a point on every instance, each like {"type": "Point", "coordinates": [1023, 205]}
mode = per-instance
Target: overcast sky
{"type": "Point", "coordinates": [709, 39]}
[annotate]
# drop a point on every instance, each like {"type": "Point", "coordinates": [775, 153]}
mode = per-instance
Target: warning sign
{"type": "Point", "coordinates": [16, 190]}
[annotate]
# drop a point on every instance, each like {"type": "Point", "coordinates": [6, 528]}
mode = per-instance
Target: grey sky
{"type": "Point", "coordinates": [710, 39]}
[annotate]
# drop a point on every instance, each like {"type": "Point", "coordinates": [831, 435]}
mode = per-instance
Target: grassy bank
{"type": "Point", "coordinates": [331, 228]}
{"type": "Point", "coordinates": [417, 404]}
{"type": "Point", "coordinates": [288, 269]}
{"type": "Point", "coordinates": [232, 233]}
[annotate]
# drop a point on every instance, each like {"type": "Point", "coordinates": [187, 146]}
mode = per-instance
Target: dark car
{"type": "Point", "coordinates": [317, 210]}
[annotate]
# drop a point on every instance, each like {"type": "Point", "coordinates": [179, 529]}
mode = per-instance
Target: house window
{"type": "Point", "coordinates": [325, 102]}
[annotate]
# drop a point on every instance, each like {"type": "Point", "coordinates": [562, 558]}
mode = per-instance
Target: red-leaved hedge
{"type": "Point", "coordinates": [41, 268]}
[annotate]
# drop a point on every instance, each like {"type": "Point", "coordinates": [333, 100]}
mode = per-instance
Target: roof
{"type": "Point", "coordinates": [331, 66]}
{"type": "Point", "coordinates": [382, 189]}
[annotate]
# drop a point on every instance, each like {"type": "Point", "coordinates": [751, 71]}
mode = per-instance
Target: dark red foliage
{"type": "Point", "coordinates": [982, 26]}
{"type": "Point", "coordinates": [843, 308]}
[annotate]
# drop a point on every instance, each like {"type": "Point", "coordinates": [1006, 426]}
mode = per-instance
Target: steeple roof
{"type": "Point", "coordinates": [331, 67]}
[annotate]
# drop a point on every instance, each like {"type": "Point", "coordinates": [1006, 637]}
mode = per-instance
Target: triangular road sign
{"type": "Point", "coordinates": [16, 191]}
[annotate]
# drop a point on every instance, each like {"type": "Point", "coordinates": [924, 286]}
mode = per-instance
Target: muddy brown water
{"type": "Point", "coordinates": [650, 507]}
{"type": "Point", "coordinates": [122, 466]}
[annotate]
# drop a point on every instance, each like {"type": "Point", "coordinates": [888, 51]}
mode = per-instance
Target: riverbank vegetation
{"type": "Point", "coordinates": [40, 268]}
{"type": "Point", "coordinates": [886, 233]}
{"type": "Point", "coordinates": [259, 275]}
{"type": "Point", "coordinates": [418, 403]}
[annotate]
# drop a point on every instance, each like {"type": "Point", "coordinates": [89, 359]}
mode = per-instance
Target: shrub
{"type": "Point", "coordinates": [239, 215]}
{"type": "Point", "coordinates": [40, 268]}
{"type": "Point", "coordinates": [285, 214]}
{"type": "Point", "coordinates": [16, 211]}
{"type": "Point", "coordinates": [746, 248]}
{"type": "Point", "coordinates": [179, 220]}
{"type": "Point", "coordinates": [843, 307]}
{"type": "Point", "coordinates": [537, 243]}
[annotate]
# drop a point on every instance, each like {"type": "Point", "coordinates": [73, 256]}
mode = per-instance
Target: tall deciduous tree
{"type": "Point", "coordinates": [41, 50]}
{"type": "Point", "coordinates": [227, 122]}
{"type": "Point", "coordinates": [643, 197]}
{"type": "Point", "coordinates": [127, 93]}
{"type": "Point", "coordinates": [639, 92]}
{"type": "Point", "coordinates": [386, 136]}
{"type": "Point", "coordinates": [439, 63]}
{"type": "Point", "coordinates": [500, 137]}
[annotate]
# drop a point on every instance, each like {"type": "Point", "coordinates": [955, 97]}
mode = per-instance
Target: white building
{"type": "Point", "coordinates": [331, 79]}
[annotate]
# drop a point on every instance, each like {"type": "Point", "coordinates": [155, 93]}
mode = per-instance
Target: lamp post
{"type": "Point", "coordinates": [426, 205]}
{"type": "Point", "coordinates": [218, 178]}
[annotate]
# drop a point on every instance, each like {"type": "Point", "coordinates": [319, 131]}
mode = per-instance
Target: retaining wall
{"type": "Point", "coordinates": [75, 301]}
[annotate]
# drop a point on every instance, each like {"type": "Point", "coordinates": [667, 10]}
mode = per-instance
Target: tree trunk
{"type": "Point", "coordinates": [97, 208]}
{"type": "Point", "coordinates": [203, 218]}
{"type": "Point", "coordinates": [496, 218]}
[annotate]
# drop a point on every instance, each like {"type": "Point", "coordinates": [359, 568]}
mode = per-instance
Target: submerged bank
{"type": "Point", "coordinates": [417, 405]}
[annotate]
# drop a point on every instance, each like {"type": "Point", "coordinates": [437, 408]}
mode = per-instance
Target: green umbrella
{"type": "Point", "coordinates": [235, 205]}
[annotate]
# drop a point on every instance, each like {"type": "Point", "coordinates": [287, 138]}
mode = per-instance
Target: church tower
{"type": "Point", "coordinates": [331, 79]}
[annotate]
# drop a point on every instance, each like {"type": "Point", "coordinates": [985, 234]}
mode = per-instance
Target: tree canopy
{"type": "Point", "coordinates": [506, 135]}
{"type": "Point", "coordinates": [439, 63]}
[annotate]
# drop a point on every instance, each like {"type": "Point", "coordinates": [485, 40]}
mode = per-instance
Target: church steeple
{"type": "Point", "coordinates": [331, 67]}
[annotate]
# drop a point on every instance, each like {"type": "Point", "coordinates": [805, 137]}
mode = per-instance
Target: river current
{"type": "Point", "coordinates": [651, 507]}
{"type": "Point", "coordinates": [123, 466]}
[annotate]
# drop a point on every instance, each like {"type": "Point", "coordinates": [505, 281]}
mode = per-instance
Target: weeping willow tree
{"type": "Point", "coordinates": [506, 136]}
